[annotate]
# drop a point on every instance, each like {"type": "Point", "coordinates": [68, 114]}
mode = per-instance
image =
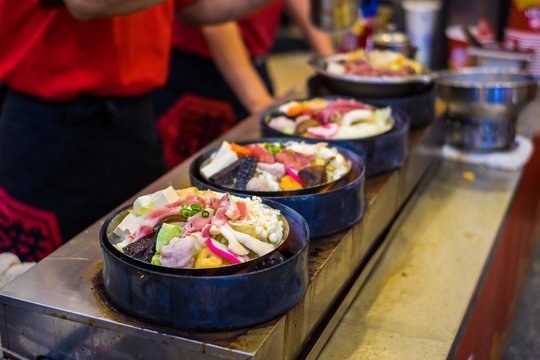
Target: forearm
{"type": "Point", "coordinates": [90, 9]}
{"type": "Point", "coordinates": [234, 63]}
{"type": "Point", "coordinates": [319, 42]}
{"type": "Point", "coordinates": [209, 12]}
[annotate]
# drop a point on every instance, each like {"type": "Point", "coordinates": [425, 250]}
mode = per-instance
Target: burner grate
{"type": "Point", "coordinates": [480, 134]}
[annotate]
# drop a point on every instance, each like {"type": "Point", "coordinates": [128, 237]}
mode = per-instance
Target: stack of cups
{"type": "Point", "coordinates": [523, 29]}
{"type": "Point", "coordinates": [420, 21]}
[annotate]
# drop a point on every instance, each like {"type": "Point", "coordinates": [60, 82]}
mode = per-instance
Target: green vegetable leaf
{"type": "Point", "coordinates": [155, 259]}
{"type": "Point", "coordinates": [274, 149]}
{"type": "Point", "coordinates": [165, 234]}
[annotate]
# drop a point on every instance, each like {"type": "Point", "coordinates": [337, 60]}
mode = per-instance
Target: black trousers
{"type": "Point", "coordinates": [71, 163]}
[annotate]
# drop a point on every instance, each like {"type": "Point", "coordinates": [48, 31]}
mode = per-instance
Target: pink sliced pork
{"type": "Point", "coordinates": [296, 160]}
{"type": "Point", "coordinates": [150, 220]}
{"type": "Point", "coordinates": [226, 209]}
{"type": "Point", "coordinates": [261, 153]}
{"type": "Point", "coordinates": [277, 169]}
{"type": "Point", "coordinates": [335, 108]}
{"type": "Point", "coordinates": [196, 223]}
{"type": "Point", "coordinates": [178, 252]}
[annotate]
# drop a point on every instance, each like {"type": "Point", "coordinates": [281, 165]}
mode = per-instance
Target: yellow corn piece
{"type": "Point", "coordinates": [207, 259]}
{"type": "Point", "coordinates": [288, 183]}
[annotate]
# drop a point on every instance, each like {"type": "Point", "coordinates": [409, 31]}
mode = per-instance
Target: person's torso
{"type": "Point", "coordinates": [49, 54]}
{"type": "Point", "coordinates": [258, 31]}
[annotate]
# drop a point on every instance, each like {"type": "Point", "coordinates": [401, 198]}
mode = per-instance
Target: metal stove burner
{"type": "Point", "coordinates": [480, 134]}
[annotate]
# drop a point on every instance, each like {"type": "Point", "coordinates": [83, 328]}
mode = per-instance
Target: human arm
{"type": "Point", "coordinates": [193, 13]}
{"type": "Point", "coordinates": [319, 42]}
{"type": "Point", "coordinates": [90, 9]}
{"type": "Point", "coordinates": [234, 63]}
{"type": "Point", "coordinates": [210, 12]}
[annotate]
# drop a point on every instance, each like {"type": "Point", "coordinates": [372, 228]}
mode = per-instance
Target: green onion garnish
{"type": "Point", "coordinates": [185, 213]}
{"type": "Point", "coordinates": [205, 213]}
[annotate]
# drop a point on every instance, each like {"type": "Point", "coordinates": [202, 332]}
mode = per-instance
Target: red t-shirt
{"type": "Point", "coordinates": [47, 53]}
{"type": "Point", "coordinates": [258, 31]}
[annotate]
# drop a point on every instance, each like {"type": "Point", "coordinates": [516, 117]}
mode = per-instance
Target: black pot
{"type": "Point", "coordinates": [381, 153]}
{"type": "Point", "coordinates": [209, 303]}
{"type": "Point", "coordinates": [326, 212]}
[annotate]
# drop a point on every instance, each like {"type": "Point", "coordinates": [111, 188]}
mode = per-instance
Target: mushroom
{"type": "Point", "coordinates": [313, 175]}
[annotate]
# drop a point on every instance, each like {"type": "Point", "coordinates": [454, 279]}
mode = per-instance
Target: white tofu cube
{"type": "Point", "coordinates": [129, 225]}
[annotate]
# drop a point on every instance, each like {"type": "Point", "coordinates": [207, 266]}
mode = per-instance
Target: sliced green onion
{"type": "Point", "coordinates": [196, 207]}
{"type": "Point", "coordinates": [185, 213]}
{"type": "Point", "coordinates": [205, 213]}
{"type": "Point", "coordinates": [215, 211]}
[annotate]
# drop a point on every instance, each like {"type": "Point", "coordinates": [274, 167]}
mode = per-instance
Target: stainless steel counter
{"type": "Point", "coordinates": [57, 308]}
{"type": "Point", "coordinates": [417, 301]}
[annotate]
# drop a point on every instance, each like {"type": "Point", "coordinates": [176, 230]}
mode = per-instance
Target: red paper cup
{"type": "Point", "coordinates": [457, 45]}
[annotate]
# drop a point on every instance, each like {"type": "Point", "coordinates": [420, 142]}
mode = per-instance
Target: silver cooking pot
{"type": "Point", "coordinates": [394, 41]}
{"type": "Point", "coordinates": [483, 104]}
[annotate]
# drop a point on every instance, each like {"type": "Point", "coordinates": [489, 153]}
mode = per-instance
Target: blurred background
{"type": "Point", "coordinates": [288, 59]}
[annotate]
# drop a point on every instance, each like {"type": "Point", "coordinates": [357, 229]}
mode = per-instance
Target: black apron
{"type": "Point", "coordinates": [63, 165]}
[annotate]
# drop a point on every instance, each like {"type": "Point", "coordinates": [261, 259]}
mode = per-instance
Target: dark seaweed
{"type": "Point", "coordinates": [145, 248]}
{"type": "Point", "coordinates": [246, 170]}
{"type": "Point", "coordinates": [226, 175]}
{"type": "Point", "coordinates": [139, 249]}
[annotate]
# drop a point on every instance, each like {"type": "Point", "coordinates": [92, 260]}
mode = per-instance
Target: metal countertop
{"type": "Point", "coordinates": [417, 300]}
{"type": "Point", "coordinates": [56, 308]}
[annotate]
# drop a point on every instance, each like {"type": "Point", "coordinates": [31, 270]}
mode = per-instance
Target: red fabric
{"type": "Point", "coordinates": [48, 53]}
{"type": "Point", "coordinates": [258, 31]}
{"type": "Point", "coordinates": [50, 3]}
{"type": "Point", "coordinates": [191, 123]}
{"type": "Point", "coordinates": [28, 232]}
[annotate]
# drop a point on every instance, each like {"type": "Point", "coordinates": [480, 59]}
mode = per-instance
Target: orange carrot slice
{"type": "Point", "coordinates": [240, 150]}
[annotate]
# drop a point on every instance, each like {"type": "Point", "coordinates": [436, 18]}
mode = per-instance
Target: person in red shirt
{"type": "Point", "coordinates": [232, 57]}
{"type": "Point", "coordinates": [77, 131]}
